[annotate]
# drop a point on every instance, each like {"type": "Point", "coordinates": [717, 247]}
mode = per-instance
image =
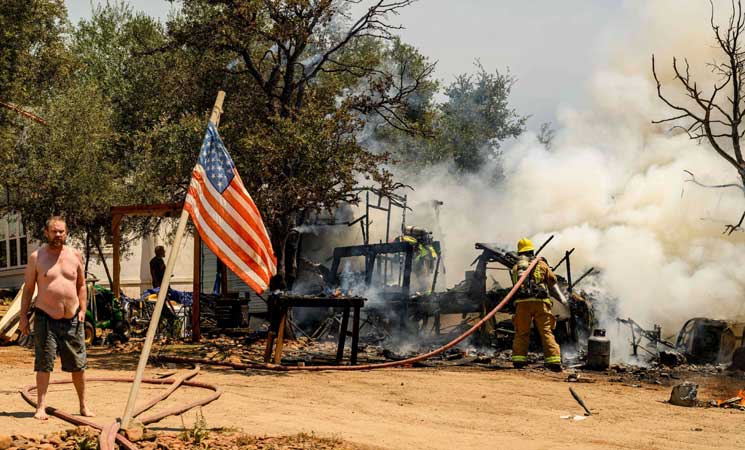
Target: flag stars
{"type": "Point", "coordinates": [215, 160]}
{"type": "Point", "coordinates": [218, 168]}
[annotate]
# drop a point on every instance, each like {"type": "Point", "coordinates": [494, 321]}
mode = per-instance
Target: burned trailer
{"type": "Point", "coordinates": [471, 296]}
{"type": "Point", "coordinates": [406, 309]}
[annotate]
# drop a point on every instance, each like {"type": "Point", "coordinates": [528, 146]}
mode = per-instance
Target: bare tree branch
{"type": "Point", "coordinates": [370, 24]}
{"type": "Point", "coordinates": [729, 229]}
{"type": "Point", "coordinates": [713, 186]}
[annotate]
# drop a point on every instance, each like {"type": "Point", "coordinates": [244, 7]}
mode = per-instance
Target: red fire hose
{"type": "Point", "coordinates": [109, 431]}
{"type": "Point", "coordinates": [403, 362]}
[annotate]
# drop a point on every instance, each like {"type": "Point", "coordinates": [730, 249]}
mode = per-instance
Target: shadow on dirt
{"type": "Point", "coordinates": [17, 415]}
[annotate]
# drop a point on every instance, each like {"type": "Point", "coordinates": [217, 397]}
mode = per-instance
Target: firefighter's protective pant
{"type": "Point", "coordinates": [538, 311]}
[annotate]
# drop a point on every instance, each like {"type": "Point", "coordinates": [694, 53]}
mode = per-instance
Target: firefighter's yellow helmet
{"type": "Point", "coordinates": [524, 245]}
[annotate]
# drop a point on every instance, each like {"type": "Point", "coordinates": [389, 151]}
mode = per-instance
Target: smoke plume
{"type": "Point", "coordinates": [613, 186]}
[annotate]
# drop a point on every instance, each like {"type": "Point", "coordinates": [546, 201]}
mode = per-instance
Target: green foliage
{"type": "Point", "coordinates": [467, 129]}
{"type": "Point", "coordinates": [155, 135]}
{"type": "Point", "coordinates": [164, 157]}
{"type": "Point", "coordinates": [198, 432]}
{"type": "Point", "coordinates": [67, 167]}
{"type": "Point", "coordinates": [107, 47]}
{"type": "Point", "coordinates": [32, 52]}
{"type": "Point", "coordinates": [477, 118]}
{"type": "Point", "coordinates": [84, 439]}
{"type": "Point", "coordinates": [546, 135]}
{"type": "Point", "coordinates": [33, 61]}
{"type": "Point", "coordinates": [314, 157]}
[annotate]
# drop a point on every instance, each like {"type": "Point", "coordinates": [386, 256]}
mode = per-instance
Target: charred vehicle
{"type": "Point", "coordinates": [709, 341]}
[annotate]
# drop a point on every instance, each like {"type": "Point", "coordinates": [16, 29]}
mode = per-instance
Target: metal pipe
{"type": "Point", "coordinates": [569, 274]}
{"type": "Point", "coordinates": [566, 256]}
{"type": "Point", "coordinates": [583, 276]}
{"type": "Point", "coordinates": [544, 245]}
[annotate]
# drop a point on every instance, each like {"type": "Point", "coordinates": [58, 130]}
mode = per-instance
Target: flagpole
{"type": "Point", "coordinates": [155, 318]}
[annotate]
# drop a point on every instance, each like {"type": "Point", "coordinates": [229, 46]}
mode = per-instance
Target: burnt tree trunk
{"type": "Point", "coordinates": [87, 250]}
{"type": "Point", "coordinates": [97, 242]}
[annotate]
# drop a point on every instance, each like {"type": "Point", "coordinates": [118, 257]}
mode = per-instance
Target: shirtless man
{"type": "Point", "coordinates": [57, 272]}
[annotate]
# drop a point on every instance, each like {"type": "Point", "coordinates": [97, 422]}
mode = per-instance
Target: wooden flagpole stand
{"type": "Point", "coordinates": [155, 318]}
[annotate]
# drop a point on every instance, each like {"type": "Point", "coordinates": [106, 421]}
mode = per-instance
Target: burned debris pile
{"type": "Point", "coordinates": [403, 305]}
{"type": "Point", "coordinates": [686, 394]}
{"type": "Point", "coordinates": [700, 342]}
{"type": "Point", "coordinates": [404, 315]}
{"type": "Point", "coordinates": [381, 302]}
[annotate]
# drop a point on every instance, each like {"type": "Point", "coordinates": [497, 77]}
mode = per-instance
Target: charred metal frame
{"type": "Point", "coordinates": [638, 333]}
{"type": "Point", "coordinates": [371, 252]}
{"type": "Point", "coordinates": [394, 200]}
{"type": "Point", "coordinates": [702, 340]}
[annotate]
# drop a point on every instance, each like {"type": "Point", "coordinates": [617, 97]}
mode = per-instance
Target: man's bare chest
{"type": "Point", "coordinates": [53, 267]}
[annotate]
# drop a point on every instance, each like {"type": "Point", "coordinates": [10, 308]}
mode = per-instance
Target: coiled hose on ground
{"type": "Point", "coordinates": [109, 432]}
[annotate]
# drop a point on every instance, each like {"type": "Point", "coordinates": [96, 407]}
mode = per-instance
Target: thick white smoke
{"type": "Point", "coordinates": [613, 185]}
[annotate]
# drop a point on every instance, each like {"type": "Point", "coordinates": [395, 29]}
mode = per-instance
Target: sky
{"type": "Point", "coordinates": [549, 46]}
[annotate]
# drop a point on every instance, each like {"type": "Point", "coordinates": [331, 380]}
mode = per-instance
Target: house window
{"type": "Point", "coordinates": [13, 245]}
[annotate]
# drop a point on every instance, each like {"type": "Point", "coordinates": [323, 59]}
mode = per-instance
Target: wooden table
{"type": "Point", "coordinates": [279, 306]}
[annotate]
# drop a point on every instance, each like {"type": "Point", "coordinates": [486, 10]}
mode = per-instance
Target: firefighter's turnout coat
{"type": "Point", "coordinates": [533, 304]}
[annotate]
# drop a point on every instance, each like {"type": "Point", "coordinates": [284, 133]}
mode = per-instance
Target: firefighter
{"type": "Point", "coordinates": [425, 253]}
{"type": "Point", "coordinates": [533, 305]}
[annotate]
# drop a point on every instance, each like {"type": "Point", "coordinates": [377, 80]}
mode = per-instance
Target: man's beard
{"type": "Point", "coordinates": [56, 242]}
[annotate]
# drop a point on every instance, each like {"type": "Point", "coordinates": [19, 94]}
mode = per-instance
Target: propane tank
{"type": "Point", "coordinates": [598, 350]}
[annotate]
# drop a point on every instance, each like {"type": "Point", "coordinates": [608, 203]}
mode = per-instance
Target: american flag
{"type": "Point", "coordinates": [226, 217]}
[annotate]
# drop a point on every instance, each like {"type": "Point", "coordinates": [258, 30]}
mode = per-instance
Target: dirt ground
{"type": "Point", "coordinates": [450, 408]}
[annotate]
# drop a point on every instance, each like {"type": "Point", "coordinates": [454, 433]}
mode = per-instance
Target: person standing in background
{"type": "Point", "coordinates": [158, 266]}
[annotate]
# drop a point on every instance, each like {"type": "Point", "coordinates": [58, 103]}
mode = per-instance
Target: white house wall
{"type": "Point", "coordinates": [135, 265]}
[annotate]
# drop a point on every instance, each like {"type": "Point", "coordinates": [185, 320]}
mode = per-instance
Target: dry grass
{"type": "Point", "coordinates": [218, 440]}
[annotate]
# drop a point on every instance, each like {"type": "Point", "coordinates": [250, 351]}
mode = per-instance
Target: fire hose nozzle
{"type": "Point", "coordinates": [558, 295]}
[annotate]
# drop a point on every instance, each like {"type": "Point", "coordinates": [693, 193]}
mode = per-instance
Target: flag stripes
{"type": "Point", "coordinates": [227, 218]}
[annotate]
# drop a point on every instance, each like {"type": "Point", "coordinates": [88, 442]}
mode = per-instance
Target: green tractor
{"type": "Point", "coordinates": [104, 312]}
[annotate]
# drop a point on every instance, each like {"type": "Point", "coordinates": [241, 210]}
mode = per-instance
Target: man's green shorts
{"type": "Point", "coordinates": [65, 337]}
